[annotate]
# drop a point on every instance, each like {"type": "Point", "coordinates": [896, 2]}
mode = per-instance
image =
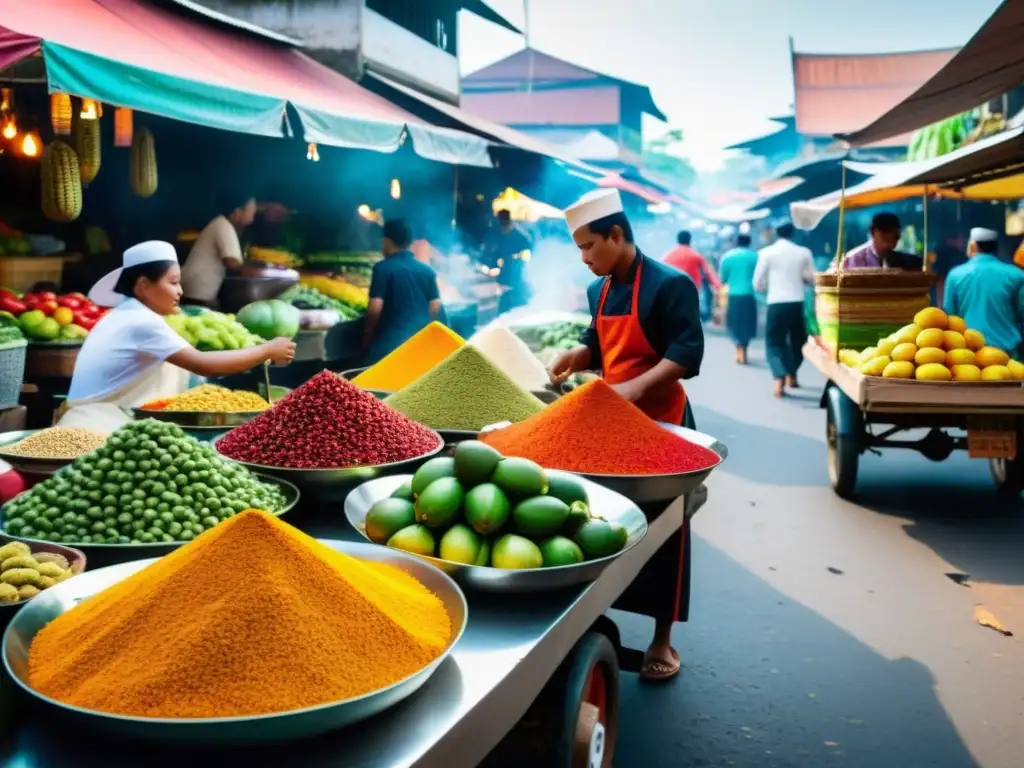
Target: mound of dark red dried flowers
{"type": "Point", "coordinates": [327, 423]}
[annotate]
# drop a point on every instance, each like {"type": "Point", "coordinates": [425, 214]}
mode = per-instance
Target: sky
{"type": "Point", "coordinates": [718, 68]}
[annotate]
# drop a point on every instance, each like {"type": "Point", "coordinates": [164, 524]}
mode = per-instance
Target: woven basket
{"type": "Point", "coordinates": [12, 374]}
{"type": "Point", "coordinates": [862, 306]}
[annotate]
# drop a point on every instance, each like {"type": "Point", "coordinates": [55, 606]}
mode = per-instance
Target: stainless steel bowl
{"type": "Point", "coordinates": [610, 505]}
{"type": "Point", "coordinates": [334, 483]}
{"type": "Point", "coordinates": [199, 419]}
{"type": "Point", "coordinates": [108, 554]}
{"type": "Point", "coordinates": [32, 465]}
{"type": "Point", "coordinates": [281, 726]}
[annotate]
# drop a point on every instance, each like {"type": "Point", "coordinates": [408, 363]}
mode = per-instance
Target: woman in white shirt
{"type": "Point", "coordinates": [132, 355]}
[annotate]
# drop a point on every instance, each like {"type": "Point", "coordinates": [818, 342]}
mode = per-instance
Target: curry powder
{"type": "Point", "coordinates": [417, 355]}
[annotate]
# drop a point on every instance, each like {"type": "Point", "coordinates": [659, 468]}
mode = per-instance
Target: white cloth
{"type": "Point", "coordinates": [206, 266]}
{"type": "Point", "coordinates": [783, 270]}
{"type": "Point", "coordinates": [151, 251]}
{"type": "Point", "coordinates": [982, 235]}
{"type": "Point", "coordinates": [593, 206]}
{"type": "Point", "coordinates": [123, 359]}
{"type": "Point", "coordinates": [105, 418]}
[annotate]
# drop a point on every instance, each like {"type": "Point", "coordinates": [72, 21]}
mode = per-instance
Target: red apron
{"type": "Point", "coordinates": [626, 354]}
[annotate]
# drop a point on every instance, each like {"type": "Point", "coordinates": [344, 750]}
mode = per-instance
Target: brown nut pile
{"type": "Point", "coordinates": [57, 443]}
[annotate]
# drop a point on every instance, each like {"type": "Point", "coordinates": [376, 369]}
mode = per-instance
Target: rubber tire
{"type": "Point", "coordinates": [843, 456]}
{"type": "Point", "coordinates": [593, 649]}
{"type": "Point", "coordinates": [1008, 475]}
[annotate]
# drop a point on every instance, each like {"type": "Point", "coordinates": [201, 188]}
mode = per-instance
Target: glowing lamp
{"type": "Point", "coordinates": [60, 113]}
{"type": "Point", "coordinates": [124, 122]}
{"type": "Point", "coordinates": [31, 146]}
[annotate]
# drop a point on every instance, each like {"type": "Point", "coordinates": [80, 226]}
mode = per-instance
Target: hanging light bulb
{"type": "Point", "coordinates": [123, 124]}
{"type": "Point", "coordinates": [312, 153]}
{"type": "Point", "coordinates": [10, 128]}
{"type": "Point", "coordinates": [90, 110]}
{"type": "Point", "coordinates": [6, 99]}
{"type": "Point", "coordinates": [60, 113]}
{"type": "Point", "coordinates": [396, 189]}
{"type": "Point", "coordinates": [31, 145]}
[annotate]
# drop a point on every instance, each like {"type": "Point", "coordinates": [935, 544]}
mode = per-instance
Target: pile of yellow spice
{"type": "Point", "coordinates": [417, 355]}
{"type": "Point", "coordinates": [252, 617]}
{"type": "Point", "coordinates": [211, 399]}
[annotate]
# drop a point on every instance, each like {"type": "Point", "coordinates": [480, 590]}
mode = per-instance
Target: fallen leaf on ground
{"type": "Point", "coordinates": [836, 571]}
{"type": "Point", "coordinates": [984, 616]}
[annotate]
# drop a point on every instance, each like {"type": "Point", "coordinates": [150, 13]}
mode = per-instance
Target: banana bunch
{"type": "Point", "coordinates": [336, 288]}
{"type": "Point", "coordinates": [274, 256]}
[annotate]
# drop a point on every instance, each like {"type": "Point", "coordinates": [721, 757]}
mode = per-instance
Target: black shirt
{"type": "Point", "coordinates": [505, 246]}
{"type": "Point", "coordinates": [407, 287]}
{"type": "Point", "coordinates": [669, 313]}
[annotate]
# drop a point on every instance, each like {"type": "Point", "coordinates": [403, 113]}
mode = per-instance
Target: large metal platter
{"type": "Point", "coordinates": [32, 465]}
{"type": "Point", "coordinates": [199, 419]}
{"type": "Point", "coordinates": [282, 726]}
{"type": "Point", "coordinates": [335, 482]}
{"type": "Point", "coordinates": [607, 504]}
{"type": "Point", "coordinates": [106, 554]}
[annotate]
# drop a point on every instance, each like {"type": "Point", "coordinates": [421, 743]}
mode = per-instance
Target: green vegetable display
{"type": "Point", "coordinates": [10, 332]}
{"type": "Point", "coordinates": [563, 335]}
{"type": "Point", "coordinates": [212, 331]}
{"type": "Point", "coordinates": [270, 319]}
{"type": "Point", "coordinates": [149, 483]}
{"type": "Point", "coordinates": [305, 297]}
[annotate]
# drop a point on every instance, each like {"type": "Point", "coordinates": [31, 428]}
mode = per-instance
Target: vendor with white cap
{"type": "Point", "coordinates": [132, 355]}
{"type": "Point", "coordinates": [644, 337]}
{"type": "Point", "coordinates": [988, 293]}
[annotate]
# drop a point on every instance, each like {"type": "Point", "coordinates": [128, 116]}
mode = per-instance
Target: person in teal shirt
{"type": "Point", "coordinates": [988, 293]}
{"type": "Point", "coordinates": [737, 275]}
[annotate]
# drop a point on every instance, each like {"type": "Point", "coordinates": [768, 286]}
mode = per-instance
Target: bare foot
{"type": "Point", "coordinates": [792, 383]}
{"type": "Point", "coordinates": [780, 390]}
{"type": "Point", "coordinates": [661, 663]}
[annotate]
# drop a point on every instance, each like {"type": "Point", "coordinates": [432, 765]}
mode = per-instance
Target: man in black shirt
{"type": "Point", "coordinates": [508, 250]}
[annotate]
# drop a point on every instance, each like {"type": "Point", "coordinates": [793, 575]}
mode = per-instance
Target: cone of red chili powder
{"type": "Point", "coordinates": [324, 424]}
{"type": "Point", "coordinates": [595, 431]}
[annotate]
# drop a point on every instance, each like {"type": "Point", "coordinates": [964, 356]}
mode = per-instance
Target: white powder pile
{"type": "Point", "coordinates": [508, 352]}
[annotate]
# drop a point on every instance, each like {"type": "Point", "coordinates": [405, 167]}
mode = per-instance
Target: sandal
{"type": "Point", "coordinates": [659, 670]}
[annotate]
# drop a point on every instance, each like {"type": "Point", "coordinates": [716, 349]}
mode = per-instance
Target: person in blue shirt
{"type": "Point", "coordinates": [737, 275]}
{"type": "Point", "coordinates": [988, 293]}
{"type": "Point", "coordinates": [404, 296]}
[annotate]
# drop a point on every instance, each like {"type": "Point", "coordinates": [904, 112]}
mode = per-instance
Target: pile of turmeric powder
{"type": "Point", "coordinates": [252, 617]}
{"type": "Point", "coordinates": [417, 355]}
{"type": "Point", "coordinates": [210, 398]}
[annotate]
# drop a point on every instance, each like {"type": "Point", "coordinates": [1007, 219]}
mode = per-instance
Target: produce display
{"type": "Point", "coordinates": [211, 399]}
{"type": "Point", "coordinates": [24, 574]}
{"type": "Point", "coordinates": [210, 331]}
{"type": "Point", "coordinates": [274, 257]}
{"type": "Point", "coordinates": [355, 266]}
{"type": "Point", "coordinates": [253, 617]}
{"type": "Point", "coordinates": [935, 347]}
{"type": "Point", "coordinates": [270, 319]}
{"type": "Point", "coordinates": [14, 242]}
{"type": "Point", "coordinates": [47, 316]}
{"type": "Point", "coordinates": [305, 297]}
{"type": "Point", "coordinates": [328, 423]}
{"type": "Point", "coordinates": [562, 335]}
{"type": "Point", "coordinates": [512, 356]}
{"type": "Point", "coordinates": [413, 358]}
{"type": "Point", "coordinates": [593, 430]}
{"type": "Point", "coordinates": [10, 331]}
{"type": "Point", "coordinates": [355, 297]}
{"type": "Point", "coordinates": [148, 483]}
{"type": "Point", "coordinates": [478, 508]}
{"type": "Point", "coordinates": [465, 391]}
{"type": "Point", "coordinates": [938, 138]}
{"type": "Point", "coordinates": [56, 443]}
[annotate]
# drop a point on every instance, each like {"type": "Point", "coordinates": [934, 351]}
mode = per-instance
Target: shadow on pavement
{"type": "Point", "coordinates": [768, 683]}
{"type": "Point", "coordinates": [764, 455]}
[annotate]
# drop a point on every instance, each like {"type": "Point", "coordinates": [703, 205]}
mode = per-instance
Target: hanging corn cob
{"type": "Point", "coordinates": [86, 135]}
{"type": "Point", "coordinates": [61, 183]}
{"type": "Point", "coordinates": [143, 165]}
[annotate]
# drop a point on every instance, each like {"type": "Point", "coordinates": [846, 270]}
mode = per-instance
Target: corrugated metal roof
{"type": "Point", "coordinates": [583, 106]}
{"type": "Point", "coordinates": [839, 93]}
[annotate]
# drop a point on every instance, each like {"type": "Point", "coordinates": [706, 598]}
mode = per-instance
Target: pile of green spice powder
{"type": "Point", "coordinates": [464, 391]}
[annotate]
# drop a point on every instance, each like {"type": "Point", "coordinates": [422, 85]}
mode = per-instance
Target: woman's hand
{"type": "Point", "coordinates": [280, 351]}
{"type": "Point", "coordinates": [569, 363]}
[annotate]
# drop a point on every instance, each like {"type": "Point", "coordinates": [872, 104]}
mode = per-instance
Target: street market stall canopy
{"type": "Point", "coordinates": [523, 208]}
{"type": "Point", "coordinates": [179, 64]}
{"type": "Point", "coordinates": [988, 66]}
{"type": "Point", "coordinates": [990, 170]}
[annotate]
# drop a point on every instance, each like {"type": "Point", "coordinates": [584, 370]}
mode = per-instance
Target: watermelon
{"type": "Point", "coordinates": [270, 319]}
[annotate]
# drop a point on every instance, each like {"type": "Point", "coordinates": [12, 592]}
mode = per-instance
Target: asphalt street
{"type": "Point", "coordinates": [824, 632]}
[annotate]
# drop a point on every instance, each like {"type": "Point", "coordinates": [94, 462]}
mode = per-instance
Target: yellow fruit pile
{"type": "Point", "coordinates": [935, 347]}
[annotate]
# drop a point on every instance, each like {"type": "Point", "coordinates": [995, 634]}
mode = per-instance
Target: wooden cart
{"type": "Point", "coordinates": [868, 413]}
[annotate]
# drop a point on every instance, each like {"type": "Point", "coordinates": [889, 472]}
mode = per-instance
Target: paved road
{"type": "Point", "coordinates": [828, 633]}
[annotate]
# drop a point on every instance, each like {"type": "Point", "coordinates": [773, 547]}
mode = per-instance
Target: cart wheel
{"type": "Point", "coordinates": [590, 705]}
{"type": "Point", "coordinates": [843, 449]}
{"type": "Point", "coordinates": [1008, 475]}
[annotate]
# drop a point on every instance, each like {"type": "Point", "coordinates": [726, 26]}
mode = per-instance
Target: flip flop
{"type": "Point", "coordinates": [648, 673]}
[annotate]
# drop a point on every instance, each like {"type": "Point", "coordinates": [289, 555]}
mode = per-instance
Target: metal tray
{"type": "Point", "coordinates": [335, 482]}
{"type": "Point", "coordinates": [32, 465]}
{"type": "Point", "coordinates": [199, 419]}
{"type": "Point", "coordinates": [607, 504]}
{"type": "Point", "coordinates": [282, 726]}
{"type": "Point", "coordinates": [107, 554]}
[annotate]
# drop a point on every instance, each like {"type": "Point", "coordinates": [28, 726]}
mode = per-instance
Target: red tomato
{"type": "Point", "coordinates": [80, 296]}
{"type": "Point", "coordinates": [69, 301]}
{"type": "Point", "coordinates": [87, 322]}
{"type": "Point", "coordinates": [47, 307]}
{"type": "Point", "coordinates": [12, 305]}
{"type": "Point", "coordinates": [47, 296]}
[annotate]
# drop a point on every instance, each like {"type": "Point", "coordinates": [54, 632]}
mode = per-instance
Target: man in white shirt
{"type": "Point", "coordinates": [783, 270]}
{"type": "Point", "coordinates": [216, 250]}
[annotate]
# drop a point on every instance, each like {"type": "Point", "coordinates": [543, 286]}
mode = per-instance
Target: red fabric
{"type": "Point", "coordinates": [688, 261]}
{"type": "Point", "coordinates": [173, 43]}
{"type": "Point", "coordinates": [626, 353]}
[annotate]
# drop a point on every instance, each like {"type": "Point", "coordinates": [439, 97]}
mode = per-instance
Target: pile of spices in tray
{"type": "Point", "coordinates": [512, 356]}
{"type": "Point", "coordinates": [411, 360]}
{"type": "Point", "coordinates": [595, 431]}
{"type": "Point", "coordinates": [56, 443]}
{"type": "Point", "coordinates": [328, 423]}
{"type": "Point", "coordinates": [211, 399]}
{"type": "Point", "coordinates": [465, 391]}
{"type": "Point", "coordinates": [251, 618]}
